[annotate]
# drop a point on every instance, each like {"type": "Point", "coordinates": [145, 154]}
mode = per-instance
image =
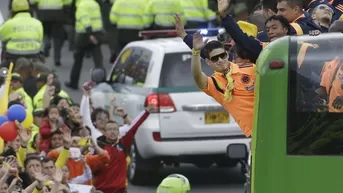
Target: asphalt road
{"type": "Point", "coordinates": [211, 180]}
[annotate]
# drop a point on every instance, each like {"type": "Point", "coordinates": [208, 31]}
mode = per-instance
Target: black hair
{"type": "Point", "coordinates": [47, 110]}
{"type": "Point", "coordinates": [15, 102]}
{"type": "Point", "coordinates": [56, 100]}
{"type": "Point", "coordinates": [270, 5]}
{"type": "Point", "coordinates": [30, 157]}
{"type": "Point", "coordinates": [9, 152]}
{"type": "Point", "coordinates": [47, 159]}
{"type": "Point", "coordinates": [284, 22]}
{"type": "Point", "coordinates": [98, 110]}
{"type": "Point", "coordinates": [57, 85]}
{"type": "Point", "coordinates": [210, 46]}
{"type": "Point", "coordinates": [57, 132]}
{"type": "Point", "coordinates": [293, 3]}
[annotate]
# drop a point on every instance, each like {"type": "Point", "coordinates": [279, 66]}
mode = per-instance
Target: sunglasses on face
{"type": "Point", "coordinates": [215, 58]}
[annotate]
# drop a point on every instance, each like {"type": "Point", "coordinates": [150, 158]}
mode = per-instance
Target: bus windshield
{"type": "Point", "coordinates": [315, 115]}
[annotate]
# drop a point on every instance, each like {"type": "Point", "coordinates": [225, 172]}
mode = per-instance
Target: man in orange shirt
{"type": "Point", "coordinates": [231, 84]}
{"type": "Point", "coordinates": [331, 76]}
{"type": "Point", "coordinates": [332, 84]}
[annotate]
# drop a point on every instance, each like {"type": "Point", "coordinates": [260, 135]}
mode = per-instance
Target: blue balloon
{"type": "Point", "coordinates": [3, 119]}
{"type": "Point", "coordinates": [16, 113]}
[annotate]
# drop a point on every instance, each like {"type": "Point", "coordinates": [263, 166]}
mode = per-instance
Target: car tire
{"type": "Point", "coordinates": [139, 168]}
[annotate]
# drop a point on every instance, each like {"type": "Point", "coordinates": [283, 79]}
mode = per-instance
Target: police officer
{"type": "Point", "coordinates": [174, 183]}
{"type": "Point", "coordinates": [159, 14]}
{"type": "Point", "coordinates": [17, 87]}
{"type": "Point", "coordinates": [198, 14]}
{"type": "Point", "coordinates": [52, 14]}
{"type": "Point", "coordinates": [88, 37]}
{"type": "Point", "coordinates": [22, 34]}
{"type": "Point", "coordinates": [126, 18]}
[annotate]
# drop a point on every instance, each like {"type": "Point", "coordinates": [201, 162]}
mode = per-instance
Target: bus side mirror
{"type": "Point", "coordinates": [237, 151]}
{"type": "Point", "coordinates": [98, 75]}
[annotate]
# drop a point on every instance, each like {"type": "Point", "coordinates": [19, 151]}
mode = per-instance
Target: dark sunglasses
{"type": "Point", "coordinates": [216, 57]}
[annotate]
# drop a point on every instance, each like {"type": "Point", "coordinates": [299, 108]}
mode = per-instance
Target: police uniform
{"type": "Point", "coordinates": [88, 24]}
{"type": "Point", "coordinates": [23, 95]}
{"type": "Point", "coordinates": [126, 18]}
{"type": "Point", "coordinates": [52, 13]}
{"type": "Point", "coordinates": [22, 34]}
{"type": "Point", "coordinates": [197, 13]}
{"type": "Point", "coordinates": [159, 14]}
{"type": "Point", "coordinates": [38, 99]}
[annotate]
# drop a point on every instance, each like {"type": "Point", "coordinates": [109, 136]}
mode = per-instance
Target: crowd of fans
{"type": "Point", "coordinates": [67, 143]}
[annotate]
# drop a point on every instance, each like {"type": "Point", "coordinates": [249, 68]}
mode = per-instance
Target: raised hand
{"type": "Point", "coordinates": [50, 79]}
{"type": "Point", "coordinates": [151, 108]}
{"type": "Point", "coordinates": [39, 176]}
{"type": "Point", "coordinates": [67, 139]}
{"type": "Point", "coordinates": [121, 112]}
{"type": "Point", "coordinates": [11, 162]}
{"type": "Point", "coordinates": [223, 6]}
{"type": "Point", "coordinates": [51, 90]}
{"type": "Point", "coordinates": [113, 101]}
{"type": "Point", "coordinates": [24, 134]}
{"type": "Point", "coordinates": [179, 27]}
{"type": "Point", "coordinates": [198, 41]}
{"type": "Point", "coordinates": [58, 176]}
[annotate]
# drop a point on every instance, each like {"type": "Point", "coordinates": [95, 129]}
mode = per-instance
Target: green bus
{"type": "Point", "coordinates": [297, 144]}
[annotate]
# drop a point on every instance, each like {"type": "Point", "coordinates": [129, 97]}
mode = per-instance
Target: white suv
{"type": "Point", "coordinates": [189, 127]}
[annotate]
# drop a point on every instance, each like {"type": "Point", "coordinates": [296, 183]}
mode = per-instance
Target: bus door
{"type": "Point", "coordinates": [297, 142]}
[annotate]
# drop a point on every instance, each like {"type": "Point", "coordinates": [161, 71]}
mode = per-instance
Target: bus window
{"type": "Point", "coordinates": [315, 114]}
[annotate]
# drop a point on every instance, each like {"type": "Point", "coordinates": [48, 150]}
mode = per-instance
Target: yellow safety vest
{"type": "Point", "coordinates": [197, 11]}
{"type": "Point", "coordinates": [161, 13]}
{"type": "Point", "coordinates": [51, 4]}
{"type": "Point", "coordinates": [88, 15]}
{"type": "Point", "coordinates": [23, 34]}
{"type": "Point", "coordinates": [128, 14]}
{"type": "Point", "coordinates": [38, 98]}
{"type": "Point", "coordinates": [27, 98]}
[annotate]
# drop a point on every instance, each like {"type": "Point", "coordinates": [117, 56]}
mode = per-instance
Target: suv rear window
{"type": "Point", "coordinates": [176, 70]}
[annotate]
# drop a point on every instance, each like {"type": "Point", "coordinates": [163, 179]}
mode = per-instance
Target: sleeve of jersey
{"type": "Point", "coordinates": [62, 158]}
{"type": "Point", "coordinates": [249, 44]}
{"type": "Point", "coordinates": [136, 123]}
{"type": "Point", "coordinates": [86, 114]}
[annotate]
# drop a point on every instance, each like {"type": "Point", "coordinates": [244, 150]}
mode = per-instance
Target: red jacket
{"type": "Point", "coordinates": [45, 134]}
{"type": "Point", "coordinates": [112, 178]}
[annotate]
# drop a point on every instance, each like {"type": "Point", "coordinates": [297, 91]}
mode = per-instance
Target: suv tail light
{"type": "Point", "coordinates": [162, 102]}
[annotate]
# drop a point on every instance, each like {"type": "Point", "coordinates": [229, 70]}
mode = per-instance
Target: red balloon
{"type": "Point", "coordinates": [8, 131]}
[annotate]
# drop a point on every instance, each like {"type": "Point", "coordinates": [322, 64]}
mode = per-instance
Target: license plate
{"type": "Point", "coordinates": [216, 117]}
